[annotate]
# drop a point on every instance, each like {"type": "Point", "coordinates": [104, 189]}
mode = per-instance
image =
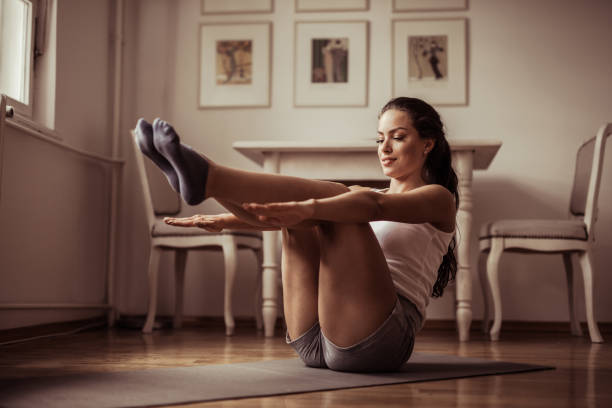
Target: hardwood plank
{"type": "Point", "coordinates": [581, 379]}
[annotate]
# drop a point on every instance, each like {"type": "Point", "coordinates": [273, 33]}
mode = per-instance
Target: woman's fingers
{"type": "Point", "coordinates": [199, 221]}
{"type": "Point", "coordinates": [268, 220]}
{"type": "Point", "coordinates": [253, 207]}
{"type": "Point", "coordinates": [268, 209]}
{"type": "Point", "coordinates": [180, 222]}
{"type": "Point", "coordinates": [277, 214]}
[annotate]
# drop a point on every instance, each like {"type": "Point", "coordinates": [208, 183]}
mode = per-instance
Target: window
{"type": "Point", "coordinates": [16, 53]}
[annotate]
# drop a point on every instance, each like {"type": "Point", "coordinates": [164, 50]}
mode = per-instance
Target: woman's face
{"type": "Point", "coordinates": [401, 150]}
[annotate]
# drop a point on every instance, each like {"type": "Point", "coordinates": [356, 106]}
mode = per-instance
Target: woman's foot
{"type": "Point", "coordinates": [191, 168]}
{"type": "Point", "coordinates": [144, 138]}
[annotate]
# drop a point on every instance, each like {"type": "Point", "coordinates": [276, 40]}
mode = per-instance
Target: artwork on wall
{"type": "Point", "coordinates": [429, 60]}
{"type": "Point", "coordinates": [429, 5]}
{"type": "Point", "coordinates": [331, 5]}
{"type": "Point", "coordinates": [235, 65]}
{"type": "Point", "coordinates": [331, 63]}
{"type": "Point", "coordinates": [236, 6]}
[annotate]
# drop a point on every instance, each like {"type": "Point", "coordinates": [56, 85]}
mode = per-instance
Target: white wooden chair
{"type": "Point", "coordinates": [569, 237]}
{"type": "Point", "coordinates": [180, 240]}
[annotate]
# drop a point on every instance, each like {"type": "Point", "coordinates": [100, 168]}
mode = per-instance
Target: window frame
{"type": "Point", "coordinates": [20, 108]}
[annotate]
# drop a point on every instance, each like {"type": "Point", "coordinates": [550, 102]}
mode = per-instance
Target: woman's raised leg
{"type": "Point", "coordinates": [200, 178]}
{"type": "Point", "coordinates": [241, 186]}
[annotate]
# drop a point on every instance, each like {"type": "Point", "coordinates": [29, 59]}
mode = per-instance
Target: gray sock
{"type": "Point", "coordinates": [190, 167]}
{"type": "Point", "coordinates": [144, 138]}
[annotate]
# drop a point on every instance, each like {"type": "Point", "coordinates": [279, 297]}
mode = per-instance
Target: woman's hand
{"type": "Point", "coordinates": [284, 214]}
{"type": "Point", "coordinates": [211, 223]}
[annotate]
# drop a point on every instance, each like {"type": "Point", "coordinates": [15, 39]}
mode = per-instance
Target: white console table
{"type": "Point", "coordinates": [358, 161]}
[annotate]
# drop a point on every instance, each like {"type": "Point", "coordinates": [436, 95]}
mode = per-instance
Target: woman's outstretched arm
{"type": "Point", "coordinates": [239, 218]}
{"type": "Point", "coordinates": [431, 203]}
{"type": "Point", "coordinates": [219, 222]}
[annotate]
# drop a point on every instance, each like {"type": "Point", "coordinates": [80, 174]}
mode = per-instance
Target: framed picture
{"type": "Point", "coordinates": [331, 5]}
{"type": "Point", "coordinates": [429, 5]}
{"type": "Point", "coordinates": [429, 60]}
{"type": "Point", "coordinates": [331, 63]}
{"type": "Point", "coordinates": [235, 65]}
{"type": "Point", "coordinates": [236, 6]}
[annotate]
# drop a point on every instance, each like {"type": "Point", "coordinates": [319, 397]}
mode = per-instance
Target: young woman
{"type": "Point", "coordinates": [358, 265]}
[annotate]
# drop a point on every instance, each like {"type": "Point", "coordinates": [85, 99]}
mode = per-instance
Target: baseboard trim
{"type": "Point", "coordinates": [18, 334]}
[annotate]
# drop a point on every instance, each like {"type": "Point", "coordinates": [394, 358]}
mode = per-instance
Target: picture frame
{"type": "Point", "coordinates": [331, 5]}
{"type": "Point", "coordinates": [429, 60]}
{"type": "Point", "coordinates": [236, 6]}
{"type": "Point", "coordinates": [429, 5]}
{"type": "Point", "coordinates": [331, 63]}
{"type": "Point", "coordinates": [235, 61]}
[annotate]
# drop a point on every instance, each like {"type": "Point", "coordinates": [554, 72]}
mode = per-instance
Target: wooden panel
{"type": "Point", "coordinates": [582, 376]}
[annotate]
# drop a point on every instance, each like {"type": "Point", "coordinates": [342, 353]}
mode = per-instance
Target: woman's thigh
{"type": "Point", "coordinates": [300, 276]}
{"type": "Point", "coordinates": [356, 294]}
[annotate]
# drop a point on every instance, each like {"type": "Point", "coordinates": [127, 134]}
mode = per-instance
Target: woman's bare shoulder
{"type": "Point", "coordinates": [446, 199]}
{"type": "Point", "coordinates": [437, 190]}
{"type": "Point", "coordinates": [431, 203]}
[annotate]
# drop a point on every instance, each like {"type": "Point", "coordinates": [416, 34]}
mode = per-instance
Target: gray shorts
{"type": "Point", "coordinates": [387, 349]}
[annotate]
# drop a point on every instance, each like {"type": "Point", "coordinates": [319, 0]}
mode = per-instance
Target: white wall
{"type": "Point", "coordinates": [540, 80]}
{"type": "Point", "coordinates": [84, 90]}
{"type": "Point", "coordinates": [54, 207]}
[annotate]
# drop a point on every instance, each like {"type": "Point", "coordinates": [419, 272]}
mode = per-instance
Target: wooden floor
{"type": "Point", "coordinates": [583, 375]}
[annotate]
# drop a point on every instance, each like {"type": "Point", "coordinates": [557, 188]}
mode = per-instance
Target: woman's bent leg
{"type": "Point", "coordinates": [364, 326]}
{"type": "Point", "coordinates": [300, 270]}
{"type": "Point", "coordinates": [356, 293]}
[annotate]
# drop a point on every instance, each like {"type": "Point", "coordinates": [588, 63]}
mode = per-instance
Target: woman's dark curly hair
{"type": "Point", "coordinates": [436, 170]}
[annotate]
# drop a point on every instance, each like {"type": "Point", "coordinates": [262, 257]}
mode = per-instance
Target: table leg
{"type": "Point", "coordinates": [270, 272]}
{"type": "Point", "coordinates": [269, 282]}
{"type": "Point", "coordinates": [464, 162]}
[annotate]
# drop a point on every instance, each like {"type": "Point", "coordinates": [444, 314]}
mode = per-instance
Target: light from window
{"type": "Point", "coordinates": [15, 49]}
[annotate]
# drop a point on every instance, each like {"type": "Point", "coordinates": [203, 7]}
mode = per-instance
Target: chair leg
{"type": "Point", "coordinates": [153, 269]}
{"type": "Point", "coordinates": [587, 276]}
{"type": "Point", "coordinates": [180, 259]}
{"type": "Point", "coordinates": [569, 274]}
{"type": "Point", "coordinates": [497, 248]}
{"type": "Point", "coordinates": [482, 273]}
{"type": "Point", "coordinates": [230, 253]}
{"type": "Point", "coordinates": [258, 288]}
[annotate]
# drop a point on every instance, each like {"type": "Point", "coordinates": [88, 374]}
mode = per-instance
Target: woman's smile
{"type": "Point", "coordinates": [387, 161]}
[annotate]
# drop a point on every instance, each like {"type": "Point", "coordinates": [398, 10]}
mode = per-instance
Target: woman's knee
{"type": "Point", "coordinates": [330, 231]}
{"type": "Point", "coordinates": [298, 236]}
{"type": "Point", "coordinates": [301, 243]}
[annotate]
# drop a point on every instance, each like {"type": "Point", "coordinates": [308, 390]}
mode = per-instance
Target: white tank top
{"type": "Point", "coordinates": [414, 253]}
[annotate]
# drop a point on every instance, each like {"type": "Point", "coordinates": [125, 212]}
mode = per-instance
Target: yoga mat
{"type": "Point", "coordinates": [181, 385]}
